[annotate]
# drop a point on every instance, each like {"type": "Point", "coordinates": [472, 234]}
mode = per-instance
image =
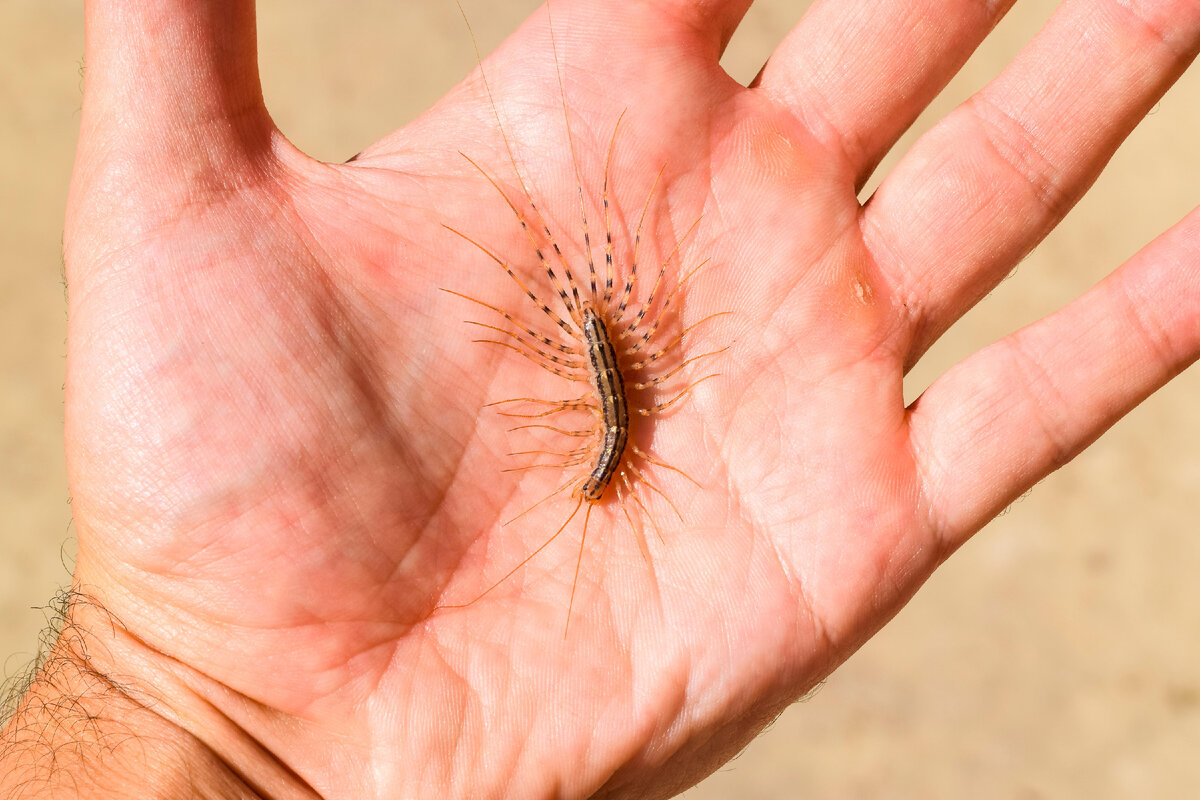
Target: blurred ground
{"type": "Point", "coordinates": [1056, 655]}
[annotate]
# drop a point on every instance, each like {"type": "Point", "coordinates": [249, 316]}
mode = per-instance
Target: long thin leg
{"type": "Point", "coordinates": [644, 338]}
{"type": "Point", "coordinates": [559, 465]}
{"type": "Point", "coordinates": [578, 375]}
{"type": "Point", "coordinates": [564, 348]}
{"type": "Point", "coordinates": [631, 278]}
{"type": "Point", "coordinates": [580, 451]}
{"type": "Point", "coordinates": [587, 239]}
{"type": "Point", "coordinates": [655, 409]}
{"type": "Point", "coordinates": [623, 483]}
{"type": "Point", "coordinates": [575, 305]}
{"type": "Point", "coordinates": [649, 459]}
{"type": "Point", "coordinates": [579, 434]}
{"type": "Point", "coordinates": [538, 400]}
{"type": "Point", "coordinates": [629, 491]}
{"type": "Point", "coordinates": [662, 271]}
{"type": "Point", "coordinates": [662, 351]}
{"type": "Point", "coordinates": [572, 307]}
{"type": "Point", "coordinates": [668, 375]}
{"type": "Point", "coordinates": [560, 407]}
{"type": "Point", "coordinates": [534, 338]}
{"type": "Point", "coordinates": [571, 361]}
{"type": "Point", "coordinates": [537, 301]}
{"type": "Point", "coordinates": [608, 237]}
{"type": "Point", "coordinates": [646, 511]}
{"type": "Point", "coordinates": [641, 476]}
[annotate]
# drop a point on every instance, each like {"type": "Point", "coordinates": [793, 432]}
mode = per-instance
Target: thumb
{"type": "Point", "coordinates": [173, 83]}
{"type": "Point", "coordinates": [173, 119]}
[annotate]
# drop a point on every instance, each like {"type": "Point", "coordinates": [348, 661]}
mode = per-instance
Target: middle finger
{"type": "Point", "coordinates": [980, 189]}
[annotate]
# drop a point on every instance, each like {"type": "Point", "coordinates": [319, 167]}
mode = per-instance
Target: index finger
{"type": "Point", "coordinates": [861, 71]}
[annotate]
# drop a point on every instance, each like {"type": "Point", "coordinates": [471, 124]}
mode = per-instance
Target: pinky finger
{"type": "Point", "coordinates": [1016, 411]}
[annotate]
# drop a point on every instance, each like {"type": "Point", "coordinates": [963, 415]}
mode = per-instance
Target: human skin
{"type": "Point", "coordinates": [281, 464]}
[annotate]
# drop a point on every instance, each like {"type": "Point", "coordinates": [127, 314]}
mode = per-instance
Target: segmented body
{"type": "Point", "coordinates": [608, 338]}
{"type": "Point", "coordinates": [604, 374]}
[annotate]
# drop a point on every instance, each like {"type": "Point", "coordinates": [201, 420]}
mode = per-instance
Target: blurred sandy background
{"type": "Point", "coordinates": [1056, 655]}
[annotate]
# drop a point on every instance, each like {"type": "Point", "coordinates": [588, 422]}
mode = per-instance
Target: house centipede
{"type": "Point", "coordinates": [611, 344]}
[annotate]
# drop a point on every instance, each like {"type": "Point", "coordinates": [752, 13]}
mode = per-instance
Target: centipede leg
{"type": "Point", "coordinates": [532, 296]}
{"type": "Point", "coordinates": [579, 434]}
{"type": "Point", "coordinates": [662, 271]}
{"type": "Point", "coordinates": [642, 454]}
{"type": "Point", "coordinates": [631, 277]}
{"type": "Point", "coordinates": [546, 365]}
{"type": "Point", "coordinates": [623, 490]}
{"type": "Point", "coordinates": [660, 407]}
{"type": "Point", "coordinates": [668, 375]}
{"type": "Point", "coordinates": [657, 354]}
{"type": "Point", "coordinates": [559, 465]}
{"type": "Point", "coordinates": [530, 348]}
{"type": "Point", "coordinates": [646, 511]}
{"type": "Point", "coordinates": [559, 408]}
{"type": "Point", "coordinates": [641, 476]}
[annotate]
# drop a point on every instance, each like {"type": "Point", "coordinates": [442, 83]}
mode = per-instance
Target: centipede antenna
{"type": "Point", "coordinates": [539, 502]}
{"type": "Point", "coordinates": [524, 561]}
{"type": "Point", "coordinates": [579, 560]}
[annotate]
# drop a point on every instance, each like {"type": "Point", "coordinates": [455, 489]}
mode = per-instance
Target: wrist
{"type": "Point", "coordinates": [94, 724]}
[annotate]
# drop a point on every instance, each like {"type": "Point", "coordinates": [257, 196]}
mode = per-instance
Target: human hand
{"type": "Point", "coordinates": [281, 465]}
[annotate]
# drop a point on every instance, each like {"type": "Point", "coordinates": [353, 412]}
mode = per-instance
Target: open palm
{"type": "Point", "coordinates": [284, 472]}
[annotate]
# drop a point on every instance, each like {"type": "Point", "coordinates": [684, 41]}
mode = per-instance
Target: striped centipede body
{"type": "Point", "coordinates": [609, 339]}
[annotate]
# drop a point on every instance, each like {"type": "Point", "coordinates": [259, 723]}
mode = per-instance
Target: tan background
{"type": "Point", "coordinates": [1057, 655]}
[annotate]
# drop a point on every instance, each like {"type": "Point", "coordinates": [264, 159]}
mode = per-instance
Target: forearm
{"type": "Point", "coordinates": [82, 731]}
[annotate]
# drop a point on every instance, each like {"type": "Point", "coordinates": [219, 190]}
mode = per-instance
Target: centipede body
{"type": "Point", "coordinates": [604, 374]}
{"type": "Point", "coordinates": [597, 334]}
